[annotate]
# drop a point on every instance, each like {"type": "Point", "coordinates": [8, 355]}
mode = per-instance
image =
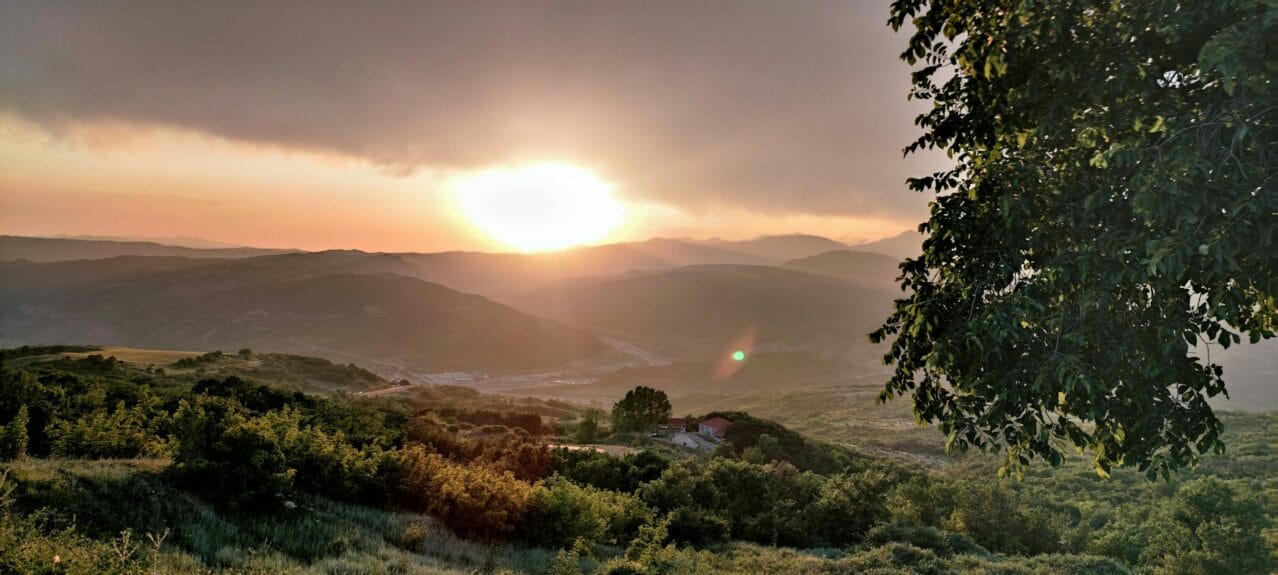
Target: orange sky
{"type": "Point", "coordinates": [241, 123]}
{"type": "Point", "coordinates": [117, 180]}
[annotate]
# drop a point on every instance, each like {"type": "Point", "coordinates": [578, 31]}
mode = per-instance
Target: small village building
{"type": "Point", "coordinates": [714, 427]}
{"type": "Point", "coordinates": [675, 424]}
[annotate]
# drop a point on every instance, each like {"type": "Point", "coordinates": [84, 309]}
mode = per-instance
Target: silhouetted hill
{"type": "Point", "coordinates": [14, 248]}
{"type": "Point", "coordinates": [695, 310]}
{"type": "Point", "coordinates": [777, 249]}
{"type": "Point", "coordinates": [848, 265]}
{"type": "Point", "coordinates": [499, 274]}
{"type": "Point", "coordinates": [907, 244]}
{"type": "Point", "coordinates": [289, 304]}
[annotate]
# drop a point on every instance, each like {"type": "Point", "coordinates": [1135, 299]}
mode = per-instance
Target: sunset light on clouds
{"type": "Point", "coordinates": [125, 131]}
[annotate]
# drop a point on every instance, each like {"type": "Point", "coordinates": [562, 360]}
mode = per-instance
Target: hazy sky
{"type": "Point", "coordinates": [314, 124]}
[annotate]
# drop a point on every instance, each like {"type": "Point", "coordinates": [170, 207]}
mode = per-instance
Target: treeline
{"type": "Point", "coordinates": [254, 448]}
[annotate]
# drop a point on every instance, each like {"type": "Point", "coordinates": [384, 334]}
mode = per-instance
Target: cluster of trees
{"type": "Point", "coordinates": [530, 422]}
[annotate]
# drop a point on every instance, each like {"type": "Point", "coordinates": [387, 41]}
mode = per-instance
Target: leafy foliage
{"type": "Point", "coordinates": [13, 436]}
{"type": "Point", "coordinates": [642, 408]}
{"type": "Point", "coordinates": [1111, 208]}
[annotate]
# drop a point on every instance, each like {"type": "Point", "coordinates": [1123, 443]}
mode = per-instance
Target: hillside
{"type": "Point", "coordinates": [13, 248]}
{"type": "Point", "coordinates": [297, 304]}
{"type": "Point", "coordinates": [698, 311]}
{"type": "Point", "coordinates": [780, 248]}
{"type": "Point", "coordinates": [907, 244]}
{"type": "Point", "coordinates": [848, 265]}
{"type": "Point", "coordinates": [502, 274]}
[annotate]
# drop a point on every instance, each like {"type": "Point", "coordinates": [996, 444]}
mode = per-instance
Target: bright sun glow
{"type": "Point", "coordinates": [539, 207]}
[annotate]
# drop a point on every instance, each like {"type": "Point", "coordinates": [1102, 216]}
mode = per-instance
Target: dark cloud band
{"type": "Point", "coordinates": [770, 106]}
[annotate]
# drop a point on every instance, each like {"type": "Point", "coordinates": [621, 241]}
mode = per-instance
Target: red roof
{"type": "Point", "coordinates": [718, 424]}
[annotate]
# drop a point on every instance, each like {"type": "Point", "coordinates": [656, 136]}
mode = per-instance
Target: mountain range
{"type": "Point", "coordinates": [663, 311]}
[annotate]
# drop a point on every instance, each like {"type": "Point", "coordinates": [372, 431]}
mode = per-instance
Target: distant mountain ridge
{"type": "Point", "coordinates": [493, 274]}
{"type": "Point", "coordinates": [779, 248]}
{"type": "Point", "coordinates": [848, 265]}
{"type": "Point", "coordinates": [13, 248]}
{"type": "Point", "coordinates": [907, 244]}
{"type": "Point", "coordinates": [340, 306]}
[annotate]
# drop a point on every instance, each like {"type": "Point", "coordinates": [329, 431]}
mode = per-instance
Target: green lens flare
{"type": "Point", "coordinates": [738, 355]}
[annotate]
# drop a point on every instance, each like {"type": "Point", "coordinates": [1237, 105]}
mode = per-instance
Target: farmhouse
{"type": "Point", "coordinates": [714, 427]}
{"type": "Point", "coordinates": [675, 424]}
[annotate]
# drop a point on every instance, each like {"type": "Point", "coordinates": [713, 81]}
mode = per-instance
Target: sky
{"type": "Point", "coordinates": [320, 125]}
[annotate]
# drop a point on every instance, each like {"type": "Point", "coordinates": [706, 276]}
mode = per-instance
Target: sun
{"type": "Point", "coordinates": [539, 207]}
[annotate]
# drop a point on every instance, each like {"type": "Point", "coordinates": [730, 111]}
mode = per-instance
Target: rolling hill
{"type": "Point", "coordinates": [777, 249]}
{"type": "Point", "coordinates": [907, 244]}
{"type": "Point", "coordinates": [341, 306]}
{"type": "Point", "coordinates": [503, 274]}
{"type": "Point", "coordinates": [698, 310]}
{"type": "Point", "coordinates": [848, 265]}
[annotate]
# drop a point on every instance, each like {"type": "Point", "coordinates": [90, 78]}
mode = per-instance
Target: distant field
{"type": "Point", "coordinates": [137, 356]}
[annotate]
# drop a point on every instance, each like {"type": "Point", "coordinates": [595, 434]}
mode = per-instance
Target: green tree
{"type": "Point", "coordinates": [1110, 212]}
{"type": "Point", "coordinates": [1211, 528]}
{"type": "Point", "coordinates": [121, 433]}
{"type": "Point", "coordinates": [642, 408]}
{"type": "Point", "coordinates": [587, 430]}
{"type": "Point", "coordinates": [13, 437]}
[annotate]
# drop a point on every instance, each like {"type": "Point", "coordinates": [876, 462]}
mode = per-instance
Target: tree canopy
{"type": "Point", "coordinates": [1111, 216]}
{"type": "Point", "coordinates": [641, 408]}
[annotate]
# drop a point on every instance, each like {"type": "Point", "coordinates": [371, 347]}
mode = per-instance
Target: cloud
{"type": "Point", "coordinates": [774, 107]}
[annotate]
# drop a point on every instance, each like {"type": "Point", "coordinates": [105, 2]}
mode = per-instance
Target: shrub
{"type": "Point", "coordinates": [14, 436]}
{"type": "Point", "coordinates": [473, 501]}
{"type": "Point", "coordinates": [566, 562]}
{"type": "Point", "coordinates": [943, 543]}
{"type": "Point", "coordinates": [122, 433]}
{"type": "Point", "coordinates": [561, 512]}
{"type": "Point", "coordinates": [621, 567]}
{"type": "Point", "coordinates": [414, 535]}
{"type": "Point", "coordinates": [227, 458]}
{"type": "Point", "coordinates": [699, 527]}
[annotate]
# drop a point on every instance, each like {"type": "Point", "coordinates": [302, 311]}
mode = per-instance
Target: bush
{"type": "Point", "coordinates": [473, 501]}
{"type": "Point", "coordinates": [699, 527]}
{"type": "Point", "coordinates": [943, 543]}
{"type": "Point", "coordinates": [1211, 526]}
{"type": "Point", "coordinates": [561, 513]}
{"type": "Point", "coordinates": [998, 519]}
{"type": "Point", "coordinates": [620, 567]}
{"type": "Point", "coordinates": [122, 433]}
{"type": "Point", "coordinates": [228, 458]}
{"type": "Point", "coordinates": [14, 437]}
